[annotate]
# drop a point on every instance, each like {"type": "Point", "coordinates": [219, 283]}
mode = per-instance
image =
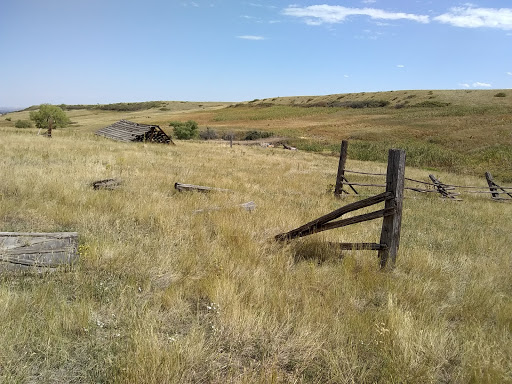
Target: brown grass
{"type": "Point", "coordinates": [163, 294]}
{"type": "Point", "coordinates": [166, 295]}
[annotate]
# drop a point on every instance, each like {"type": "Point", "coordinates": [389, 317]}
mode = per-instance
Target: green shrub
{"type": "Point", "coordinates": [185, 130]}
{"type": "Point", "coordinates": [255, 135]}
{"type": "Point", "coordinates": [500, 94]}
{"type": "Point", "coordinates": [8, 118]}
{"type": "Point", "coordinates": [23, 124]}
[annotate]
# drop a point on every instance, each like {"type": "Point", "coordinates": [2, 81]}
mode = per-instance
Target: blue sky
{"type": "Point", "coordinates": [104, 51]}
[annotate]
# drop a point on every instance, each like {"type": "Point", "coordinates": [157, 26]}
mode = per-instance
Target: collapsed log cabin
{"type": "Point", "coordinates": [125, 130]}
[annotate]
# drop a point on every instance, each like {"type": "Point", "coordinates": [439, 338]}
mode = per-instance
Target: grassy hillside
{"type": "Point", "coordinates": [463, 131]}
{"type": "Point", "coordinates": [165, 294]}
{"type": "Point", "coordinates": [457, 131]}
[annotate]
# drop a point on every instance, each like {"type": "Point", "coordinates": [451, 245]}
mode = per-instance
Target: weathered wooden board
{"type": "Point", "coordinates": [249, 206]}
{"type": "Point", "coordinates": [107, 184]}
{"type": "Point", "coordinates": [199, 188]}
{"type": "Point", "coordinates": [19, 250]}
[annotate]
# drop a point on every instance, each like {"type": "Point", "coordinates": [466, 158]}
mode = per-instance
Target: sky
{"type": "Point", "coordinates": [107, 51]}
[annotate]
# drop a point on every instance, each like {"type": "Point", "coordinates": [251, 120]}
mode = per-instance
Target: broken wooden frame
{"type": "Point", "coordinates": [444, 190]}
{"type": "Point", "coordinates": [392, 214]}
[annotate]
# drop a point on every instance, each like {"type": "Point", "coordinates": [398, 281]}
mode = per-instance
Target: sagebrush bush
{"type": "Point", "coordinates": [23, 124]}
{"type": "Point", "coordinates": [209, 134]}
{"type": "Point", "coordinates": [500, 94]}
{"type": "Point", "coordinates": [431, 103]}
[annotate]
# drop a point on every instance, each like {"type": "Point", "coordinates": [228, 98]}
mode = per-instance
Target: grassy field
{"type": "Point", "coordinates": [165, 294]}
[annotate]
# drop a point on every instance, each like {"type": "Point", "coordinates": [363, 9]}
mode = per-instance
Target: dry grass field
{"type": "Point", "coordinates": [165, 294]}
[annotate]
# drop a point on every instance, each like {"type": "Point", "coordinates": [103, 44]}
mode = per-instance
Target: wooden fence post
{"type": "Point", "coordinates": [338, 190]}
{"type": "Point", "coordinates": [491, 184]}
{"type": "Point", "coordinates": [390, 235]}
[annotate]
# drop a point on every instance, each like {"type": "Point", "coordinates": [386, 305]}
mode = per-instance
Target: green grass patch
{"type": "Point", "coordinates": [274, 112]}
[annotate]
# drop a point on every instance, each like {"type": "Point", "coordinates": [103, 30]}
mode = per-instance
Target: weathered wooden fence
{"type": "Point", "coordinates": [392, 214]}
{"type": "Point", "coordinates": [447, 191]}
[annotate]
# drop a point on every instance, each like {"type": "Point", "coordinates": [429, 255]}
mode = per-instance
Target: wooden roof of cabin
{"type": "Point", "coordinates": [125, 130]}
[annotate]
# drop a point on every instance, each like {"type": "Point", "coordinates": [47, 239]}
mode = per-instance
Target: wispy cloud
{"type": "Point", "coordinates": [369, 1]}
{"type": "Point", "coordinates": [479, 84]}
{"type": "Point", "coordinates": [190, 3]}
{"type": "Point", "coordinates": [470, 17]}
{"type": "Point", "coordinates": [250, 37]}
{"type": "Point", "coordinates": [332, 14]}
{"type": "Point", "coordinates": [400, 66]}
{"type": "Point", "coordinates": [509, 73]}
{"type": "Point", "coordinates": [465, 85]}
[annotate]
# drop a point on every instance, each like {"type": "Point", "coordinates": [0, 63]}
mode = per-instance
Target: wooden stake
{"type": "Point", "coordinates": [390, 235]}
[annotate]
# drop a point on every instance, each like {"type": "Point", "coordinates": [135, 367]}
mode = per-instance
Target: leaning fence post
{"type": "Point", "coordinates": [338, 190]}
{"type": "Point", "coordinates": [390, 235]}
{"type": "Point", "coordinates": [492, 186]}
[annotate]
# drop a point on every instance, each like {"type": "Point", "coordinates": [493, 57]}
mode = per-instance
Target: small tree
{"type": "Point", "coordinates": [184, 130]}
{"type": "Point", "coordinates": [49, 116]}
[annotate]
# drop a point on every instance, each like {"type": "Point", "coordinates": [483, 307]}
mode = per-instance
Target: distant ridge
{"type": "Point", "coordinates": [4, 110]}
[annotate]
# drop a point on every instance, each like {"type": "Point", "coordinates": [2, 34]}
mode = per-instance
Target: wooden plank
{"type": "Point", "coordinates": [391, 225]}
{"type": "Point", "coordinates": [359, 246]}
{"type": "Point", "coordinates": [191, 187]}
{"type": "Point", "coordinates": [312, 225]}
{"type": "Point", "coordinates": [356, 219]}
{"type": "Point", "coordinates": [20, 250]}
{"type": "Point", "coordinates": [249, 206]}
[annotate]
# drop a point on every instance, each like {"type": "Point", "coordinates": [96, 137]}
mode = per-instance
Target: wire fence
{"type": "Point", "coordinates": [435, 186]}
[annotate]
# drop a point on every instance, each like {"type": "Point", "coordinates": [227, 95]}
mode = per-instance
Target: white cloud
{"type": "Point", "coordinates": [331, 14]}
{"type": "Point", "coordinates": [465, 85]}
{"type": "Point", "coordinates": [369, 1]}
{"type": "Point", "coordinates": [346, 76]}
{"type": "Point", "coordinates": [400, 66]}
{"type": "Point", "coordinates": [479, 84]}
{"type": "Point", "coordinates": [190, 3]}
{"type": "Point", "coordinates": [250, 37]}
{"type": "Point", "coordinates": [477, 17]}
{"type": "Point", "coordinates": [509, 73]}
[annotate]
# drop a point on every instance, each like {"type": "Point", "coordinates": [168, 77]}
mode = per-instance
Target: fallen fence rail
{"type": "Point", "coordinates": [436, 186]}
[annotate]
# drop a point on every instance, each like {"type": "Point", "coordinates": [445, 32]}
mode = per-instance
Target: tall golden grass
{"type": "Point", "coordinates": [164, 294]}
